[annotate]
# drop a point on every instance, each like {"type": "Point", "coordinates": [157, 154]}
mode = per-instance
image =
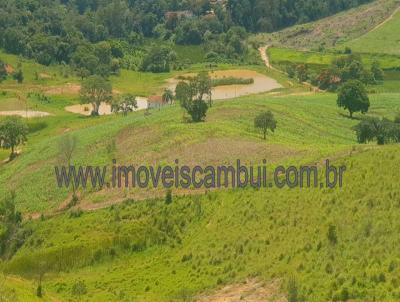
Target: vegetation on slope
{"type": "Point", "coordinates": [384, 39]}
{"type": "Point", "coordinates": [339, 244]}
{"type": "Point", "coordinates": [332, 31]}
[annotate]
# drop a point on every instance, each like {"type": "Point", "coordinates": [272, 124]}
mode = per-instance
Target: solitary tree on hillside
{"type": "Point", "coordinates": [168, 96]}
{"type": "Point", "coordinates": [191, 96]}
{"type": "Point", "coordinates": [18, 76]}
{"type": "Point", "coordinates": [352, 96]}
{"type": "Point", "coordinates": [95, 90]}
{"type": "Point", "coordinates": [265, 121]}
{"type": "Point", "coordinates": [377, 71]}
{"type": "Point", "coordinates": [125, 103]}
{"type": "Point", "coordinates": [13, 131]}
{"type": "Point", "coordinates": [67, 147]}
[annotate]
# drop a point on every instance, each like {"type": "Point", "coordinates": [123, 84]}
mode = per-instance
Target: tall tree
{"type": "Point", "coordinates": [353, 97]}
{"type": "Point", "coordinates": [168, 96]}
{"type": "Point", "coordinates": [67, 148]}
{"type": "Point", "coordinates": [124, 103]}
{"type": "Point", "coordinates": [95, 90]}
{"type": "Point", "coordinates": [265, 121]}
{"type": "Point", "coordinates": [13, 131]}
{"type": "Point", "coordinates": [191, 96]}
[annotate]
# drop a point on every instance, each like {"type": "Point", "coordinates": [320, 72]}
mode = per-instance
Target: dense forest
{"type": "Point", "coordinates": [100, 36]}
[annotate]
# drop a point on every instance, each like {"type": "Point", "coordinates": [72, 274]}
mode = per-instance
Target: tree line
{"type": "Point", "coordinates": [99, 36]}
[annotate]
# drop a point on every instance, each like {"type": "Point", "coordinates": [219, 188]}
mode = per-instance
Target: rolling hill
{"type": "Point", "coordinates": [335, 30]}
{"type": "Point", "coordinates": [382, 39]}
{"type": "Point", "coordinates": [210, 245]}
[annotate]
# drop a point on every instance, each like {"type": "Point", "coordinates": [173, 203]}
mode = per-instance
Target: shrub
{"type": "Point", "coordinates": [332, 237]}
{"type": "Point", "coordinates": [168, 197]}
{"type": "Point", "coordinates": [293, 294]}
{"type": "Point", "coordinates": [79, 288]}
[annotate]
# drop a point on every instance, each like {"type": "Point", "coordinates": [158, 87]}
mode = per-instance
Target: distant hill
{"type": "Point", "coordinates": [335, 30]}
{"type": "Point", "coordinates": [383, 39]}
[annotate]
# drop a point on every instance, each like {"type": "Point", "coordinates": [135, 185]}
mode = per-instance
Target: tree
{"type": "Point", "coordinates": [10, 220]}
{"type": "Point", "coordinates": [265, 121]}
{"type": "Point", "coordinates": [13, 131]}
{"type": "Point", "coordinates": [377, 71]}
{"type": "Point", "coordinates": [157, 60]}
{"type": "Point", "coordinates": [293, 291]}
{"type": "Point", "coordinates": [332, 237]}
{"type": "Point", "coordinates": [95, 90]}
{"type": "Point", "coordinates": [302, 73]}
{"type": "Point", "coordinates": [353, 97]}
{"type": "Point", "coordinates": [168, 96]}
{"type": "Point", "coordinates": [397, 118]}
{"type": "Point", "coordinates": [66, 150]}
{"type": "Point", "coordinates": [125, 103]}
{"type": "Point", "coordinates": [18, 76]}
{"type": "Point", "coordinates": [191, 96]}
{"type": "Point", "coordinates": [382, 131]}
{"type": "Point", "coordinates": [42, 268]}
{"type": "Point", "coordinates": [3, 71]}
{"type": "Point", "coordinates": [168, 197]}
{"type": "Point", "coordinates": [290, 70]}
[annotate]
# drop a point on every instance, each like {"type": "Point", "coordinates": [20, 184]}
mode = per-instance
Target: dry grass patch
{"type": "Point", "coordinates": [218, 151]}
{"type": "Point", "coordinates": [249, 291]}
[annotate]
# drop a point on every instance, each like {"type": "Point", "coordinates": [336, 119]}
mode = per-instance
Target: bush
{"type": "Point", "coordinates": [39, 292]}
{"type": "Point", "coordinates": [79, 288]}
{"type": "Point", "coordinates": [332, 237]}
{"type": "Point", "coordinates": [168, 197]}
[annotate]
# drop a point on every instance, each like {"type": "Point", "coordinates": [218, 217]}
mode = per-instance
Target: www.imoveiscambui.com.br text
{"type": "Point", "coordinates": [183, 176]}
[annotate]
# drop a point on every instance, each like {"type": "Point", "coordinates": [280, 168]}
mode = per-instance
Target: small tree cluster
{"type": "Point", "coordinates": [158, 59]}
{"type": "Point", "coordinates": [380, 130]}
{"type": "Point", "coordinates": [348, 68]}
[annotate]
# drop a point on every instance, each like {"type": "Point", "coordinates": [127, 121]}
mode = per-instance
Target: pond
{"type": "Point", "coordinates": [261, 83]}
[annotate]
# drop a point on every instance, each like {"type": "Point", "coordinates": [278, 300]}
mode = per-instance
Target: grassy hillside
{"type": "Point", "coordinates": [334, 30]}
{"type": "Point", "coordinates": [324, 59]}
{"type": "Point", "coordinates": [128, 244]}
{"type": "Point", "coordinates": [163, 136]}
{"type": "Point", "coordinates": [16, 289]}
{"type": "Point", "coordinates": [150, 251]}
{"type": "Point", "coordinates": [384, 39]}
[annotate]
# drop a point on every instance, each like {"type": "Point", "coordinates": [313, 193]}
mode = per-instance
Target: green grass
{"type": "Point", "coordinates": [100, 139]}
{"type": "Point", "coordinates": [279, 55]}
{"type": "Point", "coordinates": [53, 74]}
{"type": "Point", "coordinates": [152, 252]}
{"type": "Point", "coordinates": [191, 53]}
{"type": "Point", "coordinates": [384, 39]}
{"type": "Point", "coordinates": [143, 250]}
{"type": "Point", "coordinates": [332, 31]}
{"type": "Point", "coordinates": [317, 61]}
{"type": "Point", "coordinates": [19, 290]}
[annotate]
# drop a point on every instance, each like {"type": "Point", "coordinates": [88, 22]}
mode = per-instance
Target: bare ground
{"type": "Point", "coordinates": [251, 290]}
